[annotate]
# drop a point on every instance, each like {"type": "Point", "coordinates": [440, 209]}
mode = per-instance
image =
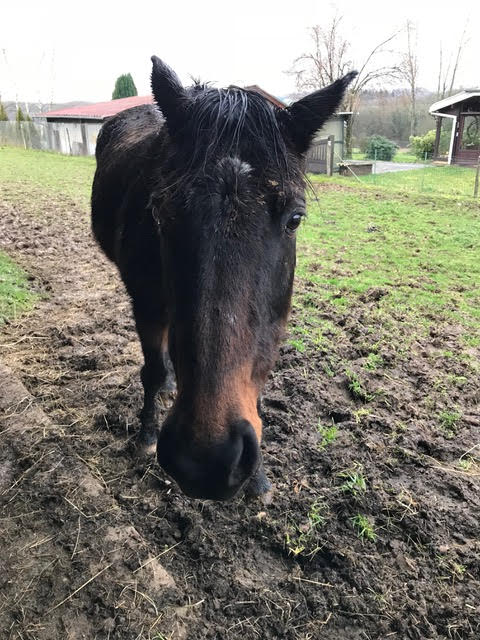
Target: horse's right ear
{"type": "Point", "coordinates": [302, 119]}
{"type": "Point", "coordinates": [169, 93]}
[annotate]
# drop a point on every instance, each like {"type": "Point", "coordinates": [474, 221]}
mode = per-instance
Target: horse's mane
{"type": "Point", "coordinates": [233, 122]}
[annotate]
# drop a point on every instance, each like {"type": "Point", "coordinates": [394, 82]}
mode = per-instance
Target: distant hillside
{"type": "Point", "coordinates": [35, 107]}
{"type": "Point", "coordinates": [387, 113]}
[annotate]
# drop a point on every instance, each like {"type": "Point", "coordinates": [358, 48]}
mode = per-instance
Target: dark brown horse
{"type": "Point", "coordinates": [197, 199]}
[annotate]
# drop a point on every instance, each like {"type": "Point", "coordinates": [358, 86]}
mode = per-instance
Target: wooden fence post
{"type": "Point", "coordinates": [330, 153]}
{"type": "Point", "coordinates": [475, 190]}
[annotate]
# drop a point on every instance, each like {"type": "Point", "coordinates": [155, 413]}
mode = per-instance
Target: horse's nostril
{"type": "Point", "coordinates": [248, 460]}
{"type": "Point", "coordinates": [216, 472]}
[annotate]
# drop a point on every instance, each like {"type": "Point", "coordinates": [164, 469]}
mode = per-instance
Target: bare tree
{"type": "Point", "coordinates": [445, 78]}
{"type": "Point", "coordinates": [461, 44]}
{"type": "Point", "coordinates": [329, 59]}
{"type": "Point", "coordinates": [440, 71]}
{"type": "Point", "coordinates": [408, 70]}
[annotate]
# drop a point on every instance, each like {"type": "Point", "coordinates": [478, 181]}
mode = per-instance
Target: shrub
{"type": "Point", "coordinates": [362, 144]}
{"type": "Point", "coordinates": [422, 145]}
{"type": "Point", "coordinates": [425, 144]}
{"type": "Point", "coordinates": [384, 147]}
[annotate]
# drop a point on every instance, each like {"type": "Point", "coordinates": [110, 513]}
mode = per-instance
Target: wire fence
{"type": "Point", "coordinates": [28, 135]}
{"type": "Point", "coordinates": [424, 176]}
{"type": "Point", "coordinates": [70, 138]}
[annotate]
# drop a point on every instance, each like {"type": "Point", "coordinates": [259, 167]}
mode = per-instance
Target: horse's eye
{"type": "Point", "coordinates": [293, 223]}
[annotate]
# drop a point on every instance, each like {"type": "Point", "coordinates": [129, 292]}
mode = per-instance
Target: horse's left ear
{"type": "Point", "coordinates": [302, 119]}
{"type": "Point", "coordinates": [169, 93]}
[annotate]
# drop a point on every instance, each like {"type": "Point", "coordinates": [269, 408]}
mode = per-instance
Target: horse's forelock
{"type": "Point", "coordinates": [237, 123]}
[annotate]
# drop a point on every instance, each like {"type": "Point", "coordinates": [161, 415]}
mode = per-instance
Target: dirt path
{"type": "Point", "coordinates": [96, 544]}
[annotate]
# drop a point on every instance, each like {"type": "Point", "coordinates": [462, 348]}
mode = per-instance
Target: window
{"type": "Point", "coordinates": [471, 133]}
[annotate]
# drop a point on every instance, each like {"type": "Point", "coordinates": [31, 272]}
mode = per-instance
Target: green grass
{"type": "Point", "coordinates": [30, 178]}
{"type": "Point", "coordinates": [303, 538]}
{"type": "Point", "coordinates": [407, 261]}
{"type": "Point", "coordinates": [29, 170]}
{"type": "Point", "coordinates": [327, 435]}
{"type": "Point", "coordinates": [15, 295]}
{"type": "Point", "coordinates": [356, 387]}
{"type": "Point", "coordinates": [419, 247]}
{"type": "Point", "coordinates": [448, 181]}
{"type": "Point", "coordinates": [449, 422]}
{"type": "Point", "coordinates": [355, 482]}
{"type": "Point", "coordinates": [365, 529]}
{"type": "Point", "coordinates": [373, 362]}
{"type": "Point", "coordinates": [420, 250]}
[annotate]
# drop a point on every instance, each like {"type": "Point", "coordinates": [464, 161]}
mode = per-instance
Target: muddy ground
{"type": "Point", "coordinates": [98, 544]}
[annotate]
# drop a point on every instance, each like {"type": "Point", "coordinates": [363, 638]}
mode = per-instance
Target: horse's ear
{"type": "Point", "coordinates": [302, 119]}
{"type": "Point", "coordinates": [169, 93]}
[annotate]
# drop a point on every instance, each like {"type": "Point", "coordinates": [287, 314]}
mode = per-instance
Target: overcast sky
{"type": "Point", "coordinates": [62, 51]}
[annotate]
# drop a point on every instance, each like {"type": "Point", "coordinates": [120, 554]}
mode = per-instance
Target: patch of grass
{"type": "Point", "coordinates": [327, 435]}
{"type": "Point", "coordinates": [355, 483]}
{"type": "Point", "coordinates": [15, 294]}
{"type": "Point", "coordinates": [328, 369]}
{"type": "Point", "coordinates": [27, 170]}
{"type": "Point", "coordinates": [303, 539]}
{"type": "Point", "coordinates": [405, 156]}
{"type": "Point", "coordinates": [360, 414]}
{"type": "Point", "coordinates": [459, 569]}
{"type": "Point", "coordinates": [457, 381]}
{"type": "Point", "coordinates": [373, 362]}
{"type": "Point", "coordinates": [445, 181]}
{"type": "Point", "coordinates": [449, 422]}
{"type": "Point", "coordinates": [298, 344]}
{"type": "Point", "coordinates": [471, 340]}
{"type": "Point", "coordinates": [417, 250]}
{"type": "Point", "coordinates": [356, 387]}
{"type": "Point", "coordinates": [467, 463]}
{"type": "Point", "coordinates": [365, 529]}
{"type": "Point", "coordinates": [454, 571]}
{"type": "Point", "coordinates": [470, 461]}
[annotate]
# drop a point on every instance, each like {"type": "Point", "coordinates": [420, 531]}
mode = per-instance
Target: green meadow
{"type": "Point", "coordinates": [417, 248]}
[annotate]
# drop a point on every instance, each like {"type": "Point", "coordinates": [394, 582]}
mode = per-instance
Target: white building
{"type": "Point", "coordinates": [74, 131]}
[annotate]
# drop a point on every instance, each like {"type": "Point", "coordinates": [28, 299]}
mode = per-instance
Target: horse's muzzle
{"type": "Point", "coordinates": [213, 471]}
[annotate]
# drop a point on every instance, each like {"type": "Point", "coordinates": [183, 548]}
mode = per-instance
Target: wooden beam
{"type": "Point", "coordinates": [437, 137]}
{"type": "Point", "coordinates": [330, 151]}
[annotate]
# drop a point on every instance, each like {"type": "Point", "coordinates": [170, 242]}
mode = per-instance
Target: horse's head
{"type": "Point", "coordinates": [227, 206]}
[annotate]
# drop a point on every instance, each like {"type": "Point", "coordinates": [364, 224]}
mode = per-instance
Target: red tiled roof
{"type": "Point", "coordinates": [273, 99]}
{"type": "Point", "coordinates": [102, 110]}
{"type": "Point", "coordinates": [98, 111]}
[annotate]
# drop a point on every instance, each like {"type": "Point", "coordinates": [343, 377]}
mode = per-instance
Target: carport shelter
{"type": "Point", "coordinates": [463, 110]}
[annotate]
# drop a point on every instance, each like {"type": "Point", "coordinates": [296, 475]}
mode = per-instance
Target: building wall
{"type": "Point", "coordinates": [334, 127]}
{"type": "Point", "coordinates": [92, 130]}
{"type": "Point", "coordinates": [71, 137]}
